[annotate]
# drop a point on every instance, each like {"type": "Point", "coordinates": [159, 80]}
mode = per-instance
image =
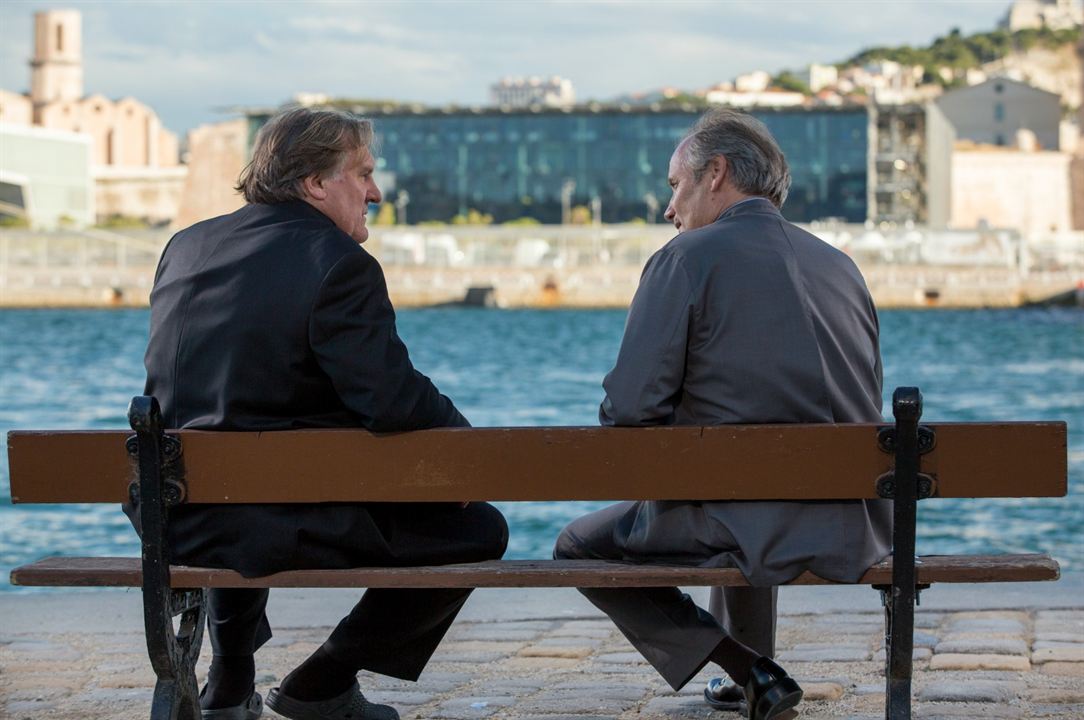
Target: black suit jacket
{"type": "Point", "coordinates": [272, 318]}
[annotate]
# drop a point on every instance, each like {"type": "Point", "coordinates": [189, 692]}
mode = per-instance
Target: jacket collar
{"type": "Point", "coordinates": [750, 206]}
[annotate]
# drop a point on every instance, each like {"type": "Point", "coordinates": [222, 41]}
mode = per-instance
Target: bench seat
{"type": "Point", "coordinates": [127, 572]}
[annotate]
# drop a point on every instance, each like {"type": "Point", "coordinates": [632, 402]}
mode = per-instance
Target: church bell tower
{"type": "Point", "coordinates": [57, 65]}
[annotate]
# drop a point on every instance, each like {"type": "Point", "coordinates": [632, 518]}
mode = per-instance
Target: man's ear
{"type": "Point", "coordinates": [719, 168]}
{"type": "Point", "coordinates": [313, 187]}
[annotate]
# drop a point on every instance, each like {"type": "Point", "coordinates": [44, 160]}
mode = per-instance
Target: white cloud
{"type": "Point", "coordinates": [186, 59]}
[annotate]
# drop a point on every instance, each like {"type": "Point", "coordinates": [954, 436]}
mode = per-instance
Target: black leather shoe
{"type": "Point", "coordinates": [770, 691]}
{"type": "Point", "coordinates": [724, 694]}
{"type": "Point", "coordinates": [351, 705]}
{"type": "Point", "coordinates": [248, 710]}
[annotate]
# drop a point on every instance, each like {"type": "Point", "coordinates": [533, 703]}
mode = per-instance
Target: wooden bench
{"type": "Point", "coordinates": [905, 462]}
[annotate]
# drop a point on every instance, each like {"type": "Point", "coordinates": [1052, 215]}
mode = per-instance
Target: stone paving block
{"type": "Point", "coordinates": [991, 625]}
{"type": "Point", "coordinates": [1067, 696]}
{"type": "Point", "coordinates": [498, 633]}
{"type": "Point", "coordinates": [1056, 711]}
{"type": "Point", "coordinates": [618, 691]}
{"type": "Point", "coordinates": [918, 653]}
{"type": "Point", "coordinates": [960, 661]}
{"type": "Point", "coordinates": [825, 645]}
{"type": "Point", "coordinates": [542, 664]}
{"type": "Point", "coordinates": [977, 636]}
{"type": "Point", "coordinates": [555, 651]}
{"type": "Point", "coordinates": [848, 618]}
{"type": "Point", "coordinates": [987, 646]}
{"type": "Point", "coordinates": [582, 632]}
{"type": "Point", "coordinates": [983, 691]}
{"type": "Point", "coordinates": [518, 686]}
{"type": "Point", "coordinates": [400, 698]}
{"type": "Point", "coordinates": [967, 711]}
{"type": "Point", "coordinates": [568, 641]}
{"type": "Point", "coordinates": [927, 620]}
{"type": "Point", "coordinates": [1063, 669]}
{"type": "Point", "coordinates": [119, 696]}
{"type": "Point", "coordinates": [828, 654]}
{"type": "Point", "coordinates": [581, 704]}
{"type": "Point", "coordinates": [622, 658]}
{"type": "Point", "coordinates": [462, 645]}
{"type": "Point", "coordinates": [602, 624]}
{"type": "Point", "coordinates": [1060, 615]}
{"type": "Point", "coordinates": [27, 709]}
{"type": "Point", "coordinates": [821, 691]}
{"type": "Point", "coordinates": [921, 639]}
{"type": "Point", "coordinates": [469, 708]}
{"type": "Point", "coordinates": [1061, 654]}
{"type": "Point", "coordinates": [1042, 644]}
{"type": "Point", "coordinates": [565, 717]}
{"type": "Point", "coordinates": [875, 689]}
{"type": "Point", "coordinates": [36, 694]}
{"type": "Point", "coordinates": [43, 650]}
{"type": "Point", "coordinates": [66, 680]}
{"type": "Point", "coordinates": [1018, 615]}
{"type": "Point", "coordinates": [678, 706]}
{"type": "Point", "coordinates": [451, 656]}
{"type": "Point", "coordinates": [432, 680]}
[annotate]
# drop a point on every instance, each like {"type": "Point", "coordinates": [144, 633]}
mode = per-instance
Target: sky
{"type": "Point", "coordinates": [192, 61]}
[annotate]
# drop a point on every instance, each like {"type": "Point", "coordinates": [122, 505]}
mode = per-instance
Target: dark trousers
{"type": "Point", "coordinates": [662, 623]}
{"type": "Point", "coordinates": [747, 614]}
{"type": "Point", "coordinates": [390, 631]}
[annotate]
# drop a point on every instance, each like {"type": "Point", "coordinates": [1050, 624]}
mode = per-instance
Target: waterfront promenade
{"type": "Point", "coordinates": [981, 651]}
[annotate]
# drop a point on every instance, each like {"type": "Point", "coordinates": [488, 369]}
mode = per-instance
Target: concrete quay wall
{"type": "Point", "coordinates": [604, 286]}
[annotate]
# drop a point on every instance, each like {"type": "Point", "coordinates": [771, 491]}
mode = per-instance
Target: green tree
{"type": "Point", "coordinates": [789, 81]}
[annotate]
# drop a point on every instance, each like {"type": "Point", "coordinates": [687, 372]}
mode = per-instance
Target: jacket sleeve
{"type": "Point", "coordinates": [352, 333]}
{"type": "Point", "coordinates": [644, 387]}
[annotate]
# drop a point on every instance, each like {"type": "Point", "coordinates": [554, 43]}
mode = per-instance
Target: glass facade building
{"type": "Point", "coordinates": [519, 163]}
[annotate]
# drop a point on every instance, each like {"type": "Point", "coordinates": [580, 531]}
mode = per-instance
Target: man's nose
{"type": "Point", "coordinates": [669, 214]}
{"type": "Point", "coordinates": [376, 196]}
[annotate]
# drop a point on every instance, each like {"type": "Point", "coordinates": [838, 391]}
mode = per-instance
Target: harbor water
{"type": "Point", "coordinates": [79, 368]}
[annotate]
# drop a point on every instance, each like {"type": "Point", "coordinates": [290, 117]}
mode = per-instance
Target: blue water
{"type": "Point", "coordinates": [79, 368]}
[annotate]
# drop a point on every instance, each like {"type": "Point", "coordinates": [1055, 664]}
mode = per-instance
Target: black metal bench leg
{"type": "Point", "coordinates": [904, 485]}
{"type": "Point", "coordinates": [173, 652]}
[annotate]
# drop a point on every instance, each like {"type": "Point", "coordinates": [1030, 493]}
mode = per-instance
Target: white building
{"type": "Point", "coordinates": [818, 77]}
{"type": "Point", "coordinates": [45, 176]}
{"type": "Point", "coordinates": [993, 112]}
{"type": "Point", "coordinates": [756, 81]}
{"type": "Point", "coordinates": [763, 98]}
{"type": "Point", "coordinates": [1054, 14]}
{"type": "Point", "coordinates": [525, 92]}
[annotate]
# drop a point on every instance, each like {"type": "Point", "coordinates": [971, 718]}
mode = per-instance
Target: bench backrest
{"type": "Point", "coordinates": [737, 462]}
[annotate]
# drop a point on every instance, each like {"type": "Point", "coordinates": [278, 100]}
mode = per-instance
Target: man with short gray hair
{"type": "Point", "coordinates": [274, 318]}
{"type": "Point", "coordinates": [741, 318]}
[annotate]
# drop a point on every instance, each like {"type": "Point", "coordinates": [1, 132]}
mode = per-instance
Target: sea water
{"type": "Point", "coordinates": [79, 369]}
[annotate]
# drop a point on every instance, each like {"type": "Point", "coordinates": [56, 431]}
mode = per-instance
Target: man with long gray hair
{"type": "Point", "coordinates": [741, 318]}
{"type": "Point", "coordinates": [273, 318]}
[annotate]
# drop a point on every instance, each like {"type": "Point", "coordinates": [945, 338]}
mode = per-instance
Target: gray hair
{"type": "Point", "coordinates": [298, 143]}
{"type": "Point", "coordinates": [757, 165]}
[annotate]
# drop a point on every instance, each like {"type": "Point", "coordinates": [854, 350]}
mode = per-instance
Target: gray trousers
{"type": "Point", "coordinates": [664, 624]}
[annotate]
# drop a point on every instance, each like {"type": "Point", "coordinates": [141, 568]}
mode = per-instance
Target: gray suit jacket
{"type": "Point", "coordinates": [752, 320]}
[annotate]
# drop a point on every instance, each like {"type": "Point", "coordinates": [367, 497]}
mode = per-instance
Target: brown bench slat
{"type": "Point", "coordinates": [125, 572]}
{"type": "Point", "coordinates": [766, 462]}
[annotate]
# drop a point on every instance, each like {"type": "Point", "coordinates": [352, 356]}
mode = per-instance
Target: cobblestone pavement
{"type": "Point", "coordinates": [973, 664]}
